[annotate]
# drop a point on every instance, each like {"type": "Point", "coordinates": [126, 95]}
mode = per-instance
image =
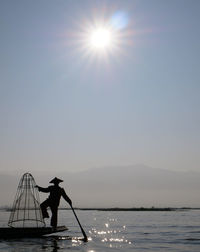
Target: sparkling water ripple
{"type": "Point", "coordinates": [116, 231]}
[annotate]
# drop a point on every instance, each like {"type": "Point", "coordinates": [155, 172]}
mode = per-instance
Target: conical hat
{"type": "Point", "coordinates": [56, 180]}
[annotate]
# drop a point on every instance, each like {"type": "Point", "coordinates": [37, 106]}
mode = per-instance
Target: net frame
{"type": "Point", "coordinates": [25, 201]}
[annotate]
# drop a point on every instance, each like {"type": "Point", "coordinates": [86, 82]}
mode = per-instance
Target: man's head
{"type": "Point", "coordinates": [56, 181]}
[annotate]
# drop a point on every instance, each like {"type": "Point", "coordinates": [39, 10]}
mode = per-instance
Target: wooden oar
{"type": "Point", "coordinates": [83, 232]}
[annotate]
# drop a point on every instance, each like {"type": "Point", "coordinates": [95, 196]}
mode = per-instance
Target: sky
{"type": "Point", "coordinates": [65, 106]}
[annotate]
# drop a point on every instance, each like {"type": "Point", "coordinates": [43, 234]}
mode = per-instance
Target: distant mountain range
{"type": "Point", "coordinates": [128, 186]}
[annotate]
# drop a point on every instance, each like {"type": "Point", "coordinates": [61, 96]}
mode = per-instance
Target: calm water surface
{"type": "Point", "coordinates": [117, 231]}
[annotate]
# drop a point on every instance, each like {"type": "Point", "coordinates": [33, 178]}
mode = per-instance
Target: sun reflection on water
{"type": "Point", "coordinates": [111, 235]}
{"type": "Point", "coordinates": [107, 225]}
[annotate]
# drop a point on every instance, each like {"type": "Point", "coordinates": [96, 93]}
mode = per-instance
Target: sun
{"type": "Point", "coordinates": [100, 38]}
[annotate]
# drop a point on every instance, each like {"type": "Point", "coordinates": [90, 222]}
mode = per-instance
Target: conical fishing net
{"type": "Point", "coordinates": [26, 210]}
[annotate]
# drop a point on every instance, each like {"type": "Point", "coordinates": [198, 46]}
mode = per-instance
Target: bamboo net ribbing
{"type": "Point", "coordinates": [26, 210]}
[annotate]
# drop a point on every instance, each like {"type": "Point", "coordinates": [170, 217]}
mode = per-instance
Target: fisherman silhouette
{"type": "Point", "coordinates": [53, 200]}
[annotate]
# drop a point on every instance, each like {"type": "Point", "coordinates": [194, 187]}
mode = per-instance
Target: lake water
{"type": "Point", "coordinates": [117, 231]}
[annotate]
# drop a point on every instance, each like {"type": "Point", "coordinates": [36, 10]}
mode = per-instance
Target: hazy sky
{"type": "Point", "coordinates": [67, 106]}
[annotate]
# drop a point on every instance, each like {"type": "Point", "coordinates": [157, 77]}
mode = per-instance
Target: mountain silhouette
{"type": "Point", "coordinates": [123, 186]}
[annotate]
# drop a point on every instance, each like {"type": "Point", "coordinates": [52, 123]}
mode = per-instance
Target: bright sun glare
{"type": "Point", "coordinates": [100, 38]}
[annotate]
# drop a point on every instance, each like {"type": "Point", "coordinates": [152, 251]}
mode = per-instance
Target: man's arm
{"type": "Point", "coordinates": [66, 197]}
{"type": "Point", "coordinates": [42, 189]}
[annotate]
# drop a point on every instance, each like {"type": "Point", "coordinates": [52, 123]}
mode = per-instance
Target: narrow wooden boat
{"type": "Point", "coordinates": [20, 232]}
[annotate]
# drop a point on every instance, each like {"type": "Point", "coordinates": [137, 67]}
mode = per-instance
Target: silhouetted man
{"type": "Point", "coordinates": [53, 200]}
